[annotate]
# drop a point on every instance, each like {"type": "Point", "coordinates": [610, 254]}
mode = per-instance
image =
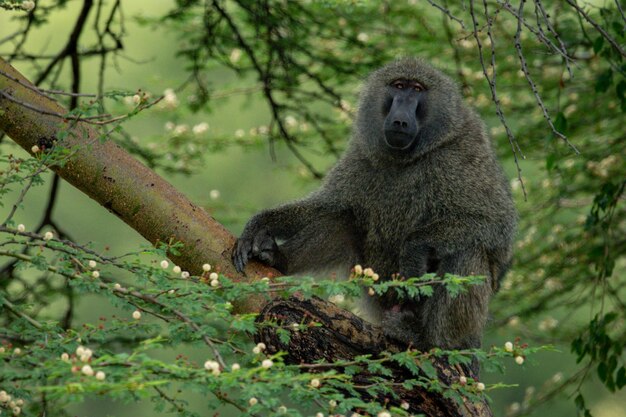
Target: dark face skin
{"type": "Point", "coordinates": [401, 109]}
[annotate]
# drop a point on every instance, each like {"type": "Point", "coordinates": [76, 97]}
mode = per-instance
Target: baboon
{"type": "Point", "coordinates": [418, 190]}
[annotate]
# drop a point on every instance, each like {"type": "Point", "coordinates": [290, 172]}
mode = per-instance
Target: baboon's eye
{"type": "Point", "coordinates": [398, 84]}
{"type": "Point", "coordinates": [418, 87]}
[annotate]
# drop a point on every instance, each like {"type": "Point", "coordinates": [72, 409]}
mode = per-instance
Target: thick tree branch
{"type": "Point", "coordinates": [109, 175]}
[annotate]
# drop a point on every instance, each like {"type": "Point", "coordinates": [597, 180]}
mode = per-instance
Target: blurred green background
{"type": "Point", "coordinates": [246, 180]}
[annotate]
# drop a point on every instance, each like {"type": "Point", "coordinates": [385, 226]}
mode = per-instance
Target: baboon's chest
{"type": "Point", "coordinates": [390, 211]}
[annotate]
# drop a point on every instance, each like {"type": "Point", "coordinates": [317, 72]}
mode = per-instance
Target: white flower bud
{"type": "Point", "coordinates": [214, 194]}
{"type": "Point", "coordinates": [235, 55]}
{"type": "Point", "coordinates": [16, 411]}
{"type": "Point", "coordinates": [214, 283]}
{"type": "Point", "coordinates": [319, 415]}
{"type": "Point", "coordinates": [368, 272]}
{"type": "Point", "coordinates": [65, 357]}
{"type": "Point", "coordinates": [184, 274]}
{"type": "Point", "coordinates": [28, 5]}
{"type": "Point", "coordinates": [375, 277]}
{"type": "Point", "coordinates": [211, 365]}
{"type": "Point", "coordinates": [200, 128]}
{"type": "Point", "coordinates": [17, 351]}
{"type": "Point", "coordinates": [19, 402]}
{"type": "Point", "coordinates": [213, 276]}
{"type": "Point", "coordinates": [164, 264]}
{"type": "Point", "coordinates": [405, 405]}
{"type": "Point", "coordinates": [519, 360]}
{"type": "Point", "coordinates": [92, 263]}
{"type": "Point", "coordinates": [170, 292]}
{"type": "Point", "coordinates": [261, 346]}
{"type": "Point", "coordinates": [117, 286]}
{"type": "Point", "coordinates": [136, 314]}
{"type": "Point", "coordinates": [48, 236]}
{"type": "Point", "coordinates": [253, 401]}
{"type": "Point", "coordinates": [480, 386]}
{"type": "Point", "coordinates": [371, 292]}
{"type": "Point", "coordinates": [282, 409]}
{"type": "Point", "coordinates": [462, 380]}
{"type": "Point", "coordinates": [315, 383]}
{"type": "Point", "coordinates": [358, 269]}
{"type": "Point", "coordinates": [21, 228]}
{"type": "Point", "coordinates": [100, 376]}
{"type": "Point", "coordinates": [176, 269]}
{"type": "Point", "coordinates": [384, 414]}
{"type": "Point", "coordinates": [206, 267]}
{"type": "Point", "coordinates": [2, 349]}
{"type": "Point", "coordinates": [80, 351]}
{"type": "Point", "coordinates": [35, 149]}
{"type": "Point", "coordinates": [87, 370]}
{"type": "Point", "coordinates": [235, 367]}
{"type": "Point", "coordinates": [508, 346]}
{"type": "Point", "coordinates": [256, 350]}
{"type": "Point", "coordinates": [267, 363]}
{"type": "Point", "coordinates": [95, 274]}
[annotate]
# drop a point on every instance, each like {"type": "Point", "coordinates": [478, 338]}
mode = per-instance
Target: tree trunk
{"type": "Point", "coordinates": [151, 206]}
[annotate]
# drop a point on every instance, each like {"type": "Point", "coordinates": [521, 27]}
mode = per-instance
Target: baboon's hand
{"type": "Point", "coordinates": [260, 245]}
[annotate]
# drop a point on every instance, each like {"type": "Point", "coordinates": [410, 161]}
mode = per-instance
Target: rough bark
{"type": "Point", "coordinates": [151, 206]}
{"type": "Point", "coordinates": [342, 335]}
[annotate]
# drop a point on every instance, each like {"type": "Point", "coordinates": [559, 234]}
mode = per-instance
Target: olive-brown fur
{"type": "Point", "coordinates": [443, 206]}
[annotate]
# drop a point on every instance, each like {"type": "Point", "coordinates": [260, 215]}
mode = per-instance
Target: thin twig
{"type": "Point", "coordinates": [533, 87]}
{"type": "Point", "coordinates": [599, 28]}
{"type": "Point", "coordinates": [494, 94]}
{"type": "Point", "coordinates": [447, 13]}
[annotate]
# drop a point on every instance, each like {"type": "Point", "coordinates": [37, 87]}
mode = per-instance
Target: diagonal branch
{"type": "Point", "coordinates": [109, 175]}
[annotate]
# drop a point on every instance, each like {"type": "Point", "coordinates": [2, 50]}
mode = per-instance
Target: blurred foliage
{"type": "Point", "coordinates": [547, 76]}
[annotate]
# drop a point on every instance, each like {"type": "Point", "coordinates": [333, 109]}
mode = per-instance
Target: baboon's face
{"type": "Point", "coordinates": [401, 110]}
{"type": "Point", "coordinates": [406, 109]}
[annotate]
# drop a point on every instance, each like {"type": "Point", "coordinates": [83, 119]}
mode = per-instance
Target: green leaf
{"type": "Point", "coordinates": [602, 371]}
{"type": "Point", "coordinates": [597, 44]}
{"type": "Point", "coordinates": [560, 123]}
{"type": "Point", "coordinates": [604, 81]}
{"type": "Point", "coordinates": [428, 369]}
{"type": "Point", "coordinates": [620, 379]}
